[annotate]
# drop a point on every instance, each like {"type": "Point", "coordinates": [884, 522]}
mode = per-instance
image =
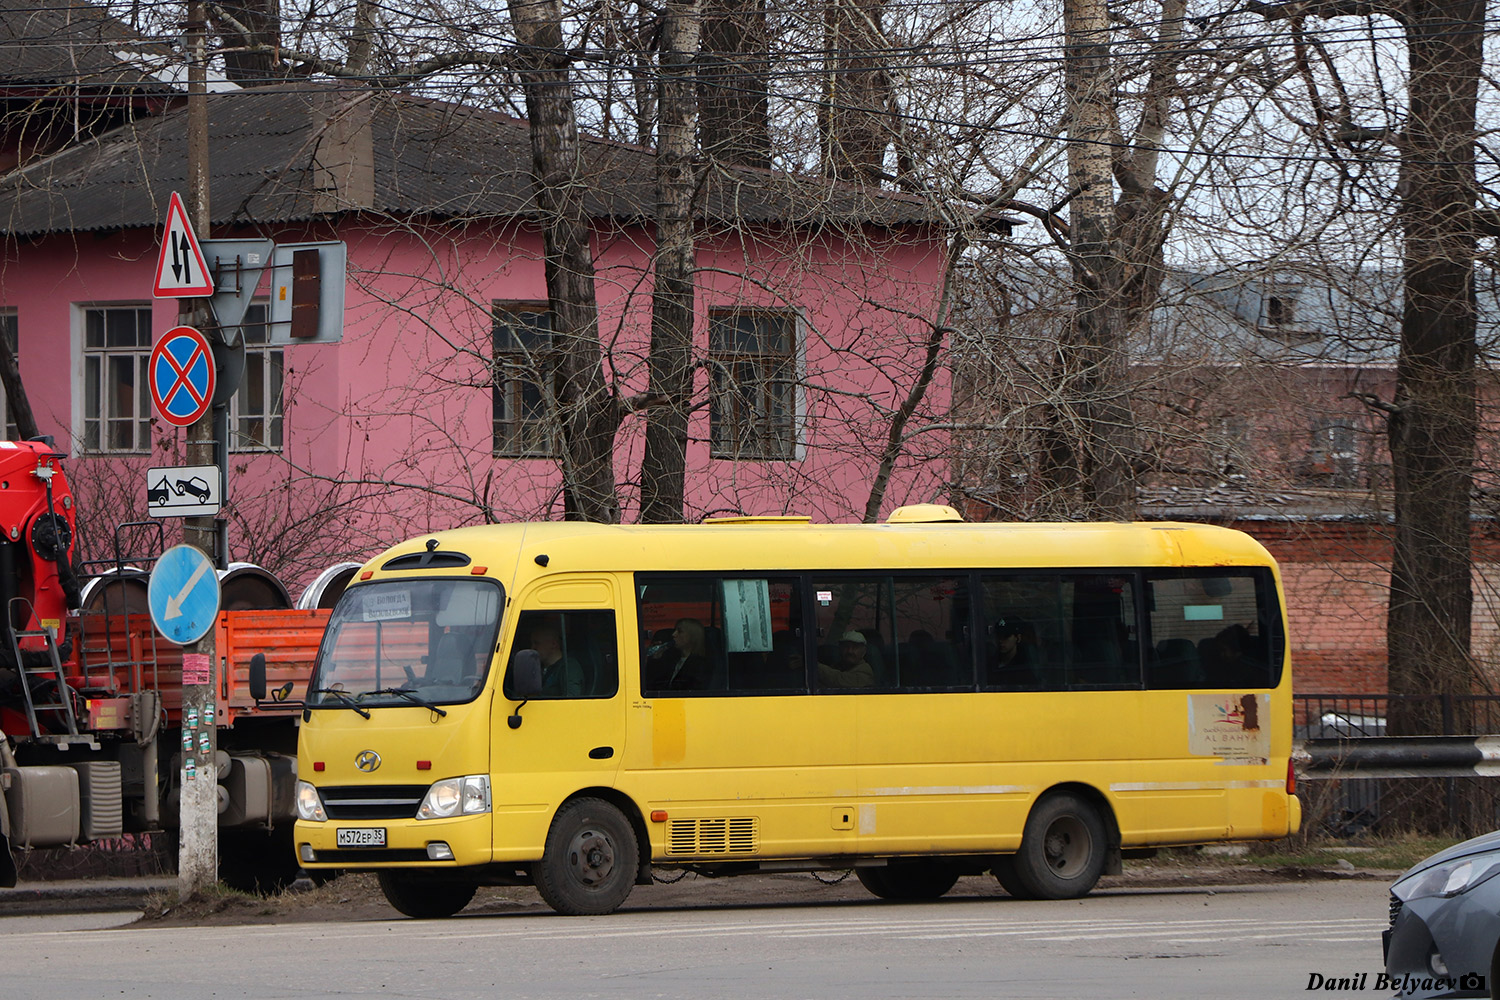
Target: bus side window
{"type": "Point", "coordinates": [1105, 653]}
{"type": "Point", "coordinates": [578, 650]}
{"type": "Point", "coordinates": [1212, 629]}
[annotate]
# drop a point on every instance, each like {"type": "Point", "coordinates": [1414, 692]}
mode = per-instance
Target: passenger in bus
{"type": "Point", "coordinates": [688, 669]}
{"type": "Point", "coordinates": [562, 676]}
{"type": "Point", "coordinates": [852, 669]}
{"type": "Point", "coordinates": [1013, 660]}
{"type": "Point", "coordinates": [1232, 659]}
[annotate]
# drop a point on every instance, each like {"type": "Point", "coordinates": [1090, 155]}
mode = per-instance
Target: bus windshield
{"type": "Point", "coordinates": [407, 642]}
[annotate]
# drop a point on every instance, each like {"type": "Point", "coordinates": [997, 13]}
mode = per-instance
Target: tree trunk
{"type": "Point", "coordinates": [588, 412]}
{"type": "Point", "coordinates": [734, 70]}
{"type": "Point", "coordinates": [1432, 428]}
{"type": "Point", "coordinates": [664, 464]}
{"type": "Point", "coordinates": [856, 91]}
{"type": "Point", "coordinates": [15, 394]}
{"type": "Point", "coordinates": [1088, 450]}
{"type": "Point", "coordinates": [262, 18]}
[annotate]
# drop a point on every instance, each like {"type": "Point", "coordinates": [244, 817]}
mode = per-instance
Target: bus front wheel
{"type": "Point", "coordinates": [589, 863]}
{"type": "Point", "coordinates": [1063, 849]}
{"type": "Point", "coordinates": [913, 880]}
{"type": "Point", "coordinates": [424, 897]}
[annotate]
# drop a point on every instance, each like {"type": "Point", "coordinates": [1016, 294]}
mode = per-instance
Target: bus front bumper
{"type": "Point", "coordinates": [356, 844]}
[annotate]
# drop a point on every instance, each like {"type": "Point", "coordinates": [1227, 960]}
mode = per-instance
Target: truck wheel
{"type": "Point", "coordinates": [1063, 848]}
{"type": "Point", "coordinates": [590, 861]}
{"type": "Point", "coordinates": [423, 896]}
{"type": "Point", "coordinates": [914, 880]}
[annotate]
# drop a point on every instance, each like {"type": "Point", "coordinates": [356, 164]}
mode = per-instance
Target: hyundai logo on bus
{"type": "Point", "coordinates": [368, 760]}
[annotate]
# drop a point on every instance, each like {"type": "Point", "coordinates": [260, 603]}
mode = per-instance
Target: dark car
{"type": "Point", "coordinates": [158, 494]}
{"type": "Point", "coordinates": [1445, 923]}
{"type": "Point", "coordinates": [196, 486]}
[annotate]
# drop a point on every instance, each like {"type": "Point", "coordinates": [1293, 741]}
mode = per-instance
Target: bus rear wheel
{"type": "Point", "coordinates": [1063, 849]}
{"type": "Point", "coordinates": [590, 861]}
{"type": "Point", "coordinates": [425, 897]}
{"type": "Point", "coordinates": [915, 880]}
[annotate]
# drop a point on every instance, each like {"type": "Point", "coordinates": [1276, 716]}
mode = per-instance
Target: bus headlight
{"type": "Point", "coordinates": [456, 797]}
{"type": "Point", "coordinates": [309, 804]}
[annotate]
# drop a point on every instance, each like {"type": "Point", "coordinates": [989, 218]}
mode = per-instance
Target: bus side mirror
{"type": "Point", "coordinates": [258, 677]}
{"type": "Point", "coordinates": [525, 681]}
{"type": "Point", "coordinates": [526, 674]}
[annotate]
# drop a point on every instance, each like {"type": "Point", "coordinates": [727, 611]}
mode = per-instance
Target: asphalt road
{"type": "Point", "coordinates": [1229, 942]}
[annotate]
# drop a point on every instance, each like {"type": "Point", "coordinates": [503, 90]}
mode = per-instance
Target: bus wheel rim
{"type": "Point", "coordinates": [1067, 846]}
{"type": "Point", "coordinates": [591, 855]}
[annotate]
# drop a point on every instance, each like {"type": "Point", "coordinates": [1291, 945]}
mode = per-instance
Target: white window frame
{"type": "Point", "coordinates": [506, 384]}
{"type": "Point", "coordinates": [797, 445]}
{"type": "Point", "coordinates": [140, 421]}
{"type": "Point", "coordinates": [271, 359]}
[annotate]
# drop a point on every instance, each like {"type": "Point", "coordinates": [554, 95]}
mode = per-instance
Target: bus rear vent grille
{"type": "Point", "coordinates": [739, 835]}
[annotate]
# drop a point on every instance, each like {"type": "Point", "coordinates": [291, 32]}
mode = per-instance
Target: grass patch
{"type": "Point", "coordinates": [1395, 852]}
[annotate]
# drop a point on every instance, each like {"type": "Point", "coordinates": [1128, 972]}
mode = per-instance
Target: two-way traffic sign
{"type": "Point", "coordinates": [181, 271]}
{"type": "Point", "coordinates": [183, 594]}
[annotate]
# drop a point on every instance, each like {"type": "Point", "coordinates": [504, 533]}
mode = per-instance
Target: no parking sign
{"type": "Point", "coordinates": [181, 373]}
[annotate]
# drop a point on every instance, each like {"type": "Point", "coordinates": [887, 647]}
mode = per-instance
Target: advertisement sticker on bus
{"type": "Point", "coordinates": [1232, 726]}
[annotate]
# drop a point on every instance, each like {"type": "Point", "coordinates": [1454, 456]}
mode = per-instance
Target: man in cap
{"type": "Point", "coordinates": [852, 670]}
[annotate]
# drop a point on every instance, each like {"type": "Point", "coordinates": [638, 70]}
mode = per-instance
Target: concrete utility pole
{"type": "Point", "coordinates": [198, 832]}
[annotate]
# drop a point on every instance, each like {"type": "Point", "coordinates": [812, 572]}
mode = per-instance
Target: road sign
{"type": "Point", "coordinates": [181, 271]}
{"type": "Point", "coordinates": [181, 373]}
{"type": "Point", "coordinates": [307, 293]}
{"type": "Point", "coordinates": [237, 267]}
{"type": "Point", "coordinates": [187, 491]}
{"type": "Point", "coordinates": [183, 594]}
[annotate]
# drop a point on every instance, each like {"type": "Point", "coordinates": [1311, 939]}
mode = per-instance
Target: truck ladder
{"type": "Point", "coordinates": [63, 692]}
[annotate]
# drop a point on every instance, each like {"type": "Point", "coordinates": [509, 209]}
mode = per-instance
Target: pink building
{"type": "Point", "coordinates": [815, 304]}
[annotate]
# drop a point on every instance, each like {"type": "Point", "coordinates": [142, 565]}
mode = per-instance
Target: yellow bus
{"type": "Point", "coordinates": [570, 705]}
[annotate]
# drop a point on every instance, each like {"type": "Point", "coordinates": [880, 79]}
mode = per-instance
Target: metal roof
{"type": "Point", "coordinates": [274, 152]}
{"type": "Point", "coordinates": [76, 45]}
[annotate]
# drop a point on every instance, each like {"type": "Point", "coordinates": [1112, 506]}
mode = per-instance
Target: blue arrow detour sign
{"type": "Point", "coordinates": [183, 594]}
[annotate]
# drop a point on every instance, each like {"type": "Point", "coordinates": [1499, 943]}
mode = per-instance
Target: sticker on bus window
{"type": "Point", "coordinates": [387, 605]}
{"type": "Point", "coordinates": [747, 616]}
{"type": "Point", "coordinates": [825, 597]}
{"type": "Point", "coordinates": [1203, 613]}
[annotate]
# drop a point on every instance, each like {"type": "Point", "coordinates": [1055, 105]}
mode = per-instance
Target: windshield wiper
{"type": "Point", "coordinates": [342, 699]}
{"type": "Point", "coordinates": [414, 699]}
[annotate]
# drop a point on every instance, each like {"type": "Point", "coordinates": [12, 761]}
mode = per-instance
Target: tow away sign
{"type": "Point", "coordinates": [187, 491]}
{"type": "Point", "coordinates": [181, 270]}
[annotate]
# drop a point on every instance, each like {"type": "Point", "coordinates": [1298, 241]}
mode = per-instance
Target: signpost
{"type": "Point", "coordinates": [183, 370]}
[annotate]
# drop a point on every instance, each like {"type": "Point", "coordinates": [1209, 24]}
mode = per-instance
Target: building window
{"type": "Point", "coordinates": [1332, 457]}
{"type": "Point", "coordinates": [1281, 310]}
{"type": "Point", "coordinates": [256, 410]}
{"type": "Point", "coordinates": [10, 329]}
{"type": "Point", "coordinates": [524, 359]}
{"type": "Point", "coordinates": [116, 393]}
{"type": "Point", "coordinates": [753, 409]}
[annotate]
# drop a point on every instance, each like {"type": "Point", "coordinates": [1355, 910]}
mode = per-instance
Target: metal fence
{"type": "Point", "coordinates": [1345, 804]}
{"type": "Point", "coordinates": [1331, 716]}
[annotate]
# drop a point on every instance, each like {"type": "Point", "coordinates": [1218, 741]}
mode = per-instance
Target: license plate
{"type": "Point", "coordinates": [362, 836]}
